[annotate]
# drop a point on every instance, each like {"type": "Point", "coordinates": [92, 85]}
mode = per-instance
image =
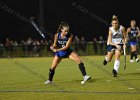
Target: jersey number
{"type": "Point", "coordinates": [63, 46]}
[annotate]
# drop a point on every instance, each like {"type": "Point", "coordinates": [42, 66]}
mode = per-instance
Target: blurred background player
{"type": "Point", "coordinates": [62, 49]}
{"type": "Point", "coordinates": [115, 44]}
{"type": "Point", "coordinates": [132, 33]}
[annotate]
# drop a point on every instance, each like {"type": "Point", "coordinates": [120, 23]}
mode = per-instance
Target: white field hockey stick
{"type": "Point", "coordinates": [36, 27]}
{"type": "Point", "coordinates": [124, 52]}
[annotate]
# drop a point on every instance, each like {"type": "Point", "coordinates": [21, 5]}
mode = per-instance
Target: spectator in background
{"type": "Point", "coordinates": [1, 49]}
{"type": "Point", "coordinates": [42, 47]}
{"type": "Point", "coordinates": [101, 44]}
{"type": "Point", "coordinates": [83, 44]}
{"type": "Point", "coordinates": [15, 48]}
{"type": "Point", "coordinates": [29, 46]}
{"type": "Point", "coordinates": [7, 45]}
{"type": "Point", "coordinates": [42, 44]}
{"type": "Point", "coordinates": [49, 43]}
{"type": "Point", "coordinates": [24, 47]}
{"type": "Point", "coordinates": [11, 48]}
{"type": "Point", "coordinates": [36, 48]}
{"type": "Point", "coordinates": [95, 45]}
{"type": "Point", "coordinates": [76, 43]}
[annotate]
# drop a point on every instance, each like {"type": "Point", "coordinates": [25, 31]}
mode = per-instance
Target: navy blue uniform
{"type": "Point", "coordinates": [133, 36]}
{"type": "Point", "coordinates": [112, 48]}
{"type": "Point", "coordinates": [62, 43]}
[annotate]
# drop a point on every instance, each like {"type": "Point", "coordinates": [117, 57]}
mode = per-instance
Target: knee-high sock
{"type": "Point", "coordinates": [135, 54]}
{"type": "Point", "coordinates": [106, 58]}
{"type": "Point", "coordinates": [117, 65]}
{"type": "Point", "coordinates": [82, 69]}
{"type": "Point", "coordinates": [51, 74]}
{"type": "Point", "coordinates": [132, 55]}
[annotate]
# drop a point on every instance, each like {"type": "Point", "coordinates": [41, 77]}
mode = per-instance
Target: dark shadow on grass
{"type": "Point", "coordinates": [78, 81]}
{"type": "Point", "coordinates": [70, 81]}
{"type": "Point", "coordinates": [132, 74]}
{"type": "Point", "coordinates": [131, 80]}
{"type": "Point", "coordinates": [128, 74]}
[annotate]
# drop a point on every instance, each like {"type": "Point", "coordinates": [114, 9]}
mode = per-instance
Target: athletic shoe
{"type": "Point", "coordinates": [48, 82]}
{"type": "Point", "coordinates": [114, 73]}
{"type": "Point", "coordinates": [104, 62]}
{"type": "Point", "coordinates": [86, 77]}
{"type": "Point", "coordinates": [137, 60]}
{"type": "Point", "coordinates": [131, 61]}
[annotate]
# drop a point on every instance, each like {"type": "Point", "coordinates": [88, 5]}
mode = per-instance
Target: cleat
{"type": "Point", "coordinates": [137, 60]}
{"type": "Point", "coordinates": [48, 82]}
{"type": "Point", "coordinates": [114, 73]}
{"type": "Point", "coordinates": [86, 77]}
{"type": "Point", "coordinates": [131, 61]}
{"type": "Point", "coordinates": [104, 62]}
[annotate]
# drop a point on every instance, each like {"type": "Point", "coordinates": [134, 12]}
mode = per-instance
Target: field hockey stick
{"type": "Point", "coordinates": [36, 27]}
{"type": "Point", "coordinates": [124, 52]}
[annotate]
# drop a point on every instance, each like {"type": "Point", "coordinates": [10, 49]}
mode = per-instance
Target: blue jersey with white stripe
{"type": "Point", "coordinates": [61, 42]}
{"type": "Point", "coordinates": [133, 34]}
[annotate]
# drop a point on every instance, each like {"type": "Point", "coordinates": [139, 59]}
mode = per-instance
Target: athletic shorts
{"type": "Point", "coordinates": [134, 43]}
{"type": "Point", "coordinates": [64, 53]}
{"type": "Point", "coordinates": [112, 48]}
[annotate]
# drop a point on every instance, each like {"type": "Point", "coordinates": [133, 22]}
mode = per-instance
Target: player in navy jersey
{"type": "Point", "coordinates": [115, 44]}
{"type": "Point", "coordinates": [62, 49]}
{"type": "Point", "coordinates": [132, 33]}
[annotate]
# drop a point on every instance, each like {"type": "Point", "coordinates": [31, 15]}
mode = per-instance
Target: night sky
{"type": "Point", "coordinates": [55, 11]}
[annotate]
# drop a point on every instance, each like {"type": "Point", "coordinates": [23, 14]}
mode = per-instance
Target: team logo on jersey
{"type": "Point", "coordinates": [117, 35]}
{"type": "Point", "coordinates": [62, 42]}
{"type": "Point", "coordinates": [134, 33]}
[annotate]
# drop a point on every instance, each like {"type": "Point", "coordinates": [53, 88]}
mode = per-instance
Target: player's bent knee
{"type": "Point", "coordinates": [53, 67]}
{"type": "Point", "coordinates": [79, 61]}
{"type": "Point", "coordinates": [109, 60]}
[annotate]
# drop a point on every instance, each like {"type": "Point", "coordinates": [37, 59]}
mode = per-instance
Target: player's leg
{"type": "Point", "coordinates": [108, 57]}
{"type": "Point", "coordinates": [135, 53]}
{"type": "Point", "coordinates": [55, 62]}
{"type": "Point", "coordinates": [117, 62]}
{"type": "Point", "coordinates": [110, 52]}
{"type": "Point", "coordinates": [132, 53]}
{"type": "Point", "coordinates": [73, 56]}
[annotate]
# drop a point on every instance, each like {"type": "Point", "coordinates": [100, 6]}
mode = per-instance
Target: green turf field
{"type": "Point", "coordinates": [23, 79]}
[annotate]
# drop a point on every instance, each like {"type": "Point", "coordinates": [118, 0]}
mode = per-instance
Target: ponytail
{"type": "Point", "coordinates": [114, 17]}
{"type": "Point", "coordinates": [63, 24]}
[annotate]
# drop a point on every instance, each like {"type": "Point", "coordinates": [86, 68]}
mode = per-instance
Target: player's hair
{"type": "Point", "coordinates": [114, 17]}
{"type": "Point", "coordinates": [63, 24]}
{"type": "Point", "coordinates": [132, 20]}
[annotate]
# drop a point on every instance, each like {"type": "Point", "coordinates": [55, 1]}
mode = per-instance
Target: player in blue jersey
{"type": "Point", "coordinates": [115, 44]}
{"type": "Point", "coordinates": [132, 33]}
{"type": "Point", "coordinates": [62, 49]}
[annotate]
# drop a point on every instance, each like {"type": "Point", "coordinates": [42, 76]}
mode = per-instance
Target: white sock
{"type": "Point", "coordinates": [116, 65]}
{"type": "Point", "coordinates": [106, 58]}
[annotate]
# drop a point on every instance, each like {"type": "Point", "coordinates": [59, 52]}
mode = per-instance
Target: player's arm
{"type": "Point", "coordinates": [138, 32]}
{"type": "Point", "coordinates": [127, 33]}
{"type": "Point", "coordinates": [124, 35]}
{"type": "Point", "coordinates": [67, 45]}
{"type": "Point", "coordinates": [110, 38]}
{"type": "Point", "coordinates": [55, 42]}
